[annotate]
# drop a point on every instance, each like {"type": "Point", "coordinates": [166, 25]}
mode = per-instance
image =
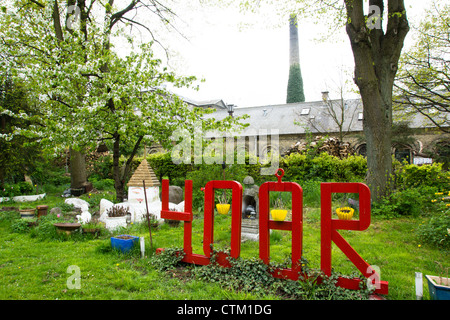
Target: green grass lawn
{"type": "Point", "coordinates": [32, 268]}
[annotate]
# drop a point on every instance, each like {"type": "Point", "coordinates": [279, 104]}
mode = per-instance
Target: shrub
{"type": "Point", "coordinates": [324, 167]}
{"type": "Point", "coordinates": [411, 201]}
{"type": "Point", "coordinates": [45, 230]}
{"type": "Point", "coordinates": [411, 175]}
{"type": "Point", "coordinates": [20, 225]}
{"type": "Point", "coordinates": [101, 168]}
{"type": "Point", "coordinates": [163, 165]}
{"type": "Point", "coordinates": [104, 184]}
{"type": "Point", "coordinates": [19, 189]}
{"type": "Point", "coordinates": [436, 231]}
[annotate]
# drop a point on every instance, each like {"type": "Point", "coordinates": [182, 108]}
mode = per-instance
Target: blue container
{"type": "Point", "coordinates": [437, 292]}
{"type": "Point", "coordinates": [124, 242]}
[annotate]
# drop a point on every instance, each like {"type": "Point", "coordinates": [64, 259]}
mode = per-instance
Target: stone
{"type": "Point", "coordinates": [66, 193]}
{"type": "Point", "coordinates": [84, 217]}
{"type": "Point", "coordinates": [105, 205]}
{"type": "Point", "coordinates": [179, 207]}
{"type": "Point", "coordinates": [248, 180]}
{"type": "Point", "coordinates": [250, 230]}
{"type": "Point", "coordinates": [78, 203]}
{"type": "Point", "coordinates": [29, 198]}
{"type": "Point", "coordinates": [55, 210]}
{"type": "Point", "coordinates": [175, 194]}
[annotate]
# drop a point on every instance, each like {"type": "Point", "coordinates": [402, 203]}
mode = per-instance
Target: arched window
{"type": "Point", "coordinates": [362, 150]}
{"type": "Point", "coordinates": [403, 153]}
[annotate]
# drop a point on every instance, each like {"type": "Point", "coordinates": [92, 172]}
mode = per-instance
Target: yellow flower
{"type": "Point", "coordinates": [419, 245]}
{"type": "Point", "coordinates": [117, 264]}
{"type": "Point", "coordinates": [434, 200]}
{"type": "Point", "coordinates": [447, 205]}
{"type": "Point", "coordinates": [439, 193]}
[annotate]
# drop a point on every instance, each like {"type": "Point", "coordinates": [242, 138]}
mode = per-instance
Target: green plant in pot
{"type": "Point", "coordinates": [93, 228]}
{"type": "Point", "coordinates": [118, 216]}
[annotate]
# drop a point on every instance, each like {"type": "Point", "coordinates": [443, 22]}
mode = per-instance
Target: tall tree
{"type": "Point", "coordinates": [376, 48]}
{"type": "Point", "coordinates": [17, 151]}
{"type": "Point", "coordinates": [376, 54]}
{"type": "Point", "coordinates": [423, 81]}
{"type": "Point", "coordinates": [295, 91]}
{"type": "Point", "coordinates": [86, 92]}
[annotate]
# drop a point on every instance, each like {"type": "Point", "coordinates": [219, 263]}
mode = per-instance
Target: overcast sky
{"type": "Point", "coordinates": [246, 62]}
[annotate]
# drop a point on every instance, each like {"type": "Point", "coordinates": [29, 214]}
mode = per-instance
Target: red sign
{"type": "Point", "coordinates": [329, 226]}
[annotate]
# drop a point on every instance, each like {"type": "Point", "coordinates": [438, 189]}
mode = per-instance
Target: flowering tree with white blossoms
{"type": "Point", "coordinates": [84, 91]}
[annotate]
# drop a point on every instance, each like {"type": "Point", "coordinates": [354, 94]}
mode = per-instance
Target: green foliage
{"type": "Point", "coordinates": [104, 184]}
{"type": "Point", "coordinates": [45, 230]}
{"type": "Point", "coordinates": [410, 176]}
{"type": "Point", "coordinates": [295, 85]}
{"type": "Point", "coordinates": [19, 189]}
{"type": "Point", "coordinates": [252, 275]}
{"type": "Point", "coordinates": [21, 225]}
{"type": "Point", "coordinates": [101, 168]}
{"type": "Point", "coordinates": [422, 77]}
{"type": "Point", "coordinates": [167, 259]}
{"type": "Point", "coordinates": [18, 151]}
{"type": "Point", "coordinates": [324, 167]}
{"type": "Point", "coordinates": [417, 187]}
{"type": "Point", "coordinates": [298, 167]}
{"type": "Point", "coordinates": [202, 174]}
{"type": "Point", "coordinates": [163, 165]}
{"type": "Point", "coordinates": [311, 193]}
{"type": "Point", "coordinates": [436, 231]}
{"type": "Point", "coordinates": [413, 201]}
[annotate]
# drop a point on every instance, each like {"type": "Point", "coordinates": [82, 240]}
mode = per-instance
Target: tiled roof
{"type": "Point", "coordinates": [143, 172]}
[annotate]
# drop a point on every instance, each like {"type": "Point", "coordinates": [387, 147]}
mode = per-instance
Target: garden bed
{"type": "Point", "coordinates": [391, 244]}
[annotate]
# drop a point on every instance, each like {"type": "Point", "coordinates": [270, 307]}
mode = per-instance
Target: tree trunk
{"type": "Point", "coordinates": [120, 176]}
{"type": "Point", "coordinates": [376, 56]}
{"type": "Point", "coordinates": [78, 176]}
{"type": "Point", "coordinates": [118, 180]}
{"type": "Point", "coordinates": [77, 169]}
